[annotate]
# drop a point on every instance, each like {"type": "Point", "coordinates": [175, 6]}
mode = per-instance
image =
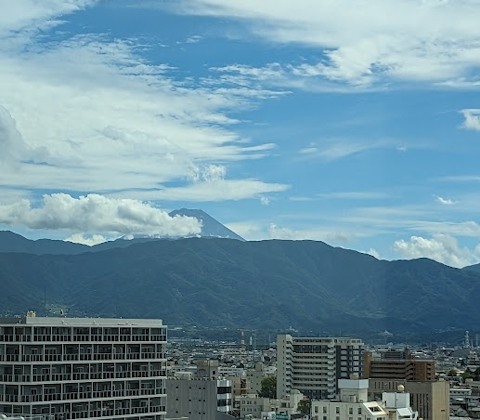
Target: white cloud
{"type": "Point", "coordinates": [193, 39]}
{"type": "Point", "coordinates": [444, 201]}
{"type": "Point", "coordinates": [97, 214]}
{"type": "Point", "coordinates": [263, 230]}
{"type": "Point", "coordinates": [34, 14]}
{"type": "Point", "coordinates": [329, 236]}
{"type": "Point", "coordinates": [265, 201]}
{"type": "Point", "coordinates": [250, 230]}
{"type": "Point", "coordinates": [442, 248]}
{"type": "Point", "coordinates": [369, 42]}
{"type": "Point", "coordinates": [79, 238]}
{"type": "Point", "coordinates": [472, 119]}
{"type": "Point", "coordinates": [98, 117]}
{"type": "Point", "coordinates": [373, 253]}
{"type": "Point", "coordinates": [209, 173]}
{"type": "Point", "coordinates": [465, 229]}
{"type": "Point", "coordinates": [334, 149]}
{"type": "Point", "coordinates": [12, 144]}
{"type": "Point", "coordinates": [354, 195]}
{"type": "Point", "coordinates": [212, 190]}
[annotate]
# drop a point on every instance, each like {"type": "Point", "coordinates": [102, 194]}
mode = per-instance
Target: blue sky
{"type": "Point", "coordinates": [357, 126]}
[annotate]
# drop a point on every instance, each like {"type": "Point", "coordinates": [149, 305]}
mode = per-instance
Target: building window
{"type": "Point", "coordinates": [316, 409]}
{"type": "Point", "coordinates": [350, 410]}
{"type": "Point", "coordinates": [337, 410]}
{"type": "Point", "coordinates": [324, 409]}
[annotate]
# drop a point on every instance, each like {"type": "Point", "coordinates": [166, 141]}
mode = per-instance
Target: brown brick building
{"type": "Point", "coordinates": [395, 368]}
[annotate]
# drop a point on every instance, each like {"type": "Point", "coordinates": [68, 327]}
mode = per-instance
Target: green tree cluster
{"type": "Point", "coordinates": [269, 387]}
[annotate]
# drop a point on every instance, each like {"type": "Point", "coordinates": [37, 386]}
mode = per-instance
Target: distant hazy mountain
{"type": "Point", "coordinates": [211, 228]}
{"type": "Point", "coordinates": [264, 285]}
{"type": "Point", "coordinates": [12, 242]}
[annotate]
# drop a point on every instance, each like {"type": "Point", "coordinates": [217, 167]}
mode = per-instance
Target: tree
{"type": "Point", "coordinates": [304, 406]}
{"type": "Point", "coordinates": [452, 372]}
{"type": "Point", "coordinates": [269, 387]}
{"type": "Point", "coordinates": [468, 374]}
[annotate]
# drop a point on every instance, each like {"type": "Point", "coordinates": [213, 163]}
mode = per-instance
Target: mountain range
{"type": "Point", "coordinates": [271, 285]}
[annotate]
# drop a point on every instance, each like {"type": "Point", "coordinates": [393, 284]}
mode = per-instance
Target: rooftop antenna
{"type": "Point", "coordinates": [466, 343]}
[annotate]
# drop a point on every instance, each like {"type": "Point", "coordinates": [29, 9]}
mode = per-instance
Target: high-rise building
{"type": "Point", "coordinates": [313, 365]}
{"type": "Point", "coordinates": [72, 368]}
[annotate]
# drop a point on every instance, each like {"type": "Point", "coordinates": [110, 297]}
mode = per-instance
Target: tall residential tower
{"type": "Point", "coordinates": [313, 365]}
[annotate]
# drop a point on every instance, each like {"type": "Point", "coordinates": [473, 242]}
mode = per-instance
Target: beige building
{"type": "Point", "coordinates": [313, 365]}
{"type": "Point", "coordinates": [430, 398]}
{"type": "Point", "coordinates": [255, 377]}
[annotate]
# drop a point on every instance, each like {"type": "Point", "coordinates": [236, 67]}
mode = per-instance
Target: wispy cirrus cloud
{"type": "Point", "coordinates": [354, 195]}
{"type": "Point", "coordinates": [338, 148]}
{"type": "Point", "coordinates": [371, 43]}
{"type": "Point", "coordinates": [106, 119]}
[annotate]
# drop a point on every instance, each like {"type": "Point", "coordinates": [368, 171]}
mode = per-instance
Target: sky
{"type": "Point", "coordinates": [356, 124]}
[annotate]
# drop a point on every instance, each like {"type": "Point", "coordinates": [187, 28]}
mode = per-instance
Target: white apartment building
{"type": "Point", "coordinates": [313, 365]}
{"type": "Point", "coordinates": [354, 405]}
{"type": "Point", "coordinates": [71, 368]}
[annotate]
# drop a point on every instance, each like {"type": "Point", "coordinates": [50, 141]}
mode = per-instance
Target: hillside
{"type": "Point", "coordinates": [269, 284]}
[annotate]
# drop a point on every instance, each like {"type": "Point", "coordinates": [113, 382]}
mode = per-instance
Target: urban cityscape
{"type": "Point", "coordinates": [239, 209]}
{"type": "Point", "coordinates": [57, 368]}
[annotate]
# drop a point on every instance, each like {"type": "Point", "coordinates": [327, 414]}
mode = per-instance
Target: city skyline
{"type": "Point", "coordinates": [358, 127]}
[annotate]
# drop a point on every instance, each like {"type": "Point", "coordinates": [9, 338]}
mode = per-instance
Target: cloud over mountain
{"type": "Point", "coordinates": [442, 248]}
{"type": "Point", "coordinates": [98, 214]}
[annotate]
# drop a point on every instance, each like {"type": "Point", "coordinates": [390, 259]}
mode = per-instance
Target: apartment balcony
{"type": "Point", "coordinates": [80, 356]}
{"type": "Point", "coordinates": [110, 413]}
{"type": "Point", "coordinates": [82, 396]}
{"type": "Point", "coordinates": [62, 377]}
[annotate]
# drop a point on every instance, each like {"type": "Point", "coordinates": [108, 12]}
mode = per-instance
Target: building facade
{"type": "Point", "coordinates": [353, 404]}
{"type": "Point", "coordinates": [430, 398]}
{"type": "Point", "coordinates": [256, 407]}
{"type": "Point", "coordinates": [255, 377]}
{"type": "Point", "coordinates": [314, 365]}
{"type": "Point", "coordinates": [199, 399]}
{"type": "Point", "coordinates": [70, 368]}
{"type": "Point", "coordinates": [390, 368]}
